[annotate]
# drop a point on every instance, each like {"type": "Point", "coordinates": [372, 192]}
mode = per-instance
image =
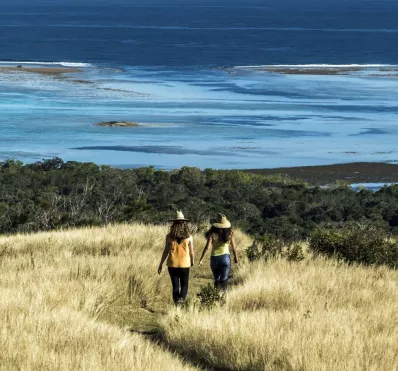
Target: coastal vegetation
{"type": "Point", "coordinates": [53, 194]}
{"type": "Point", "coordinates": [90, 298]}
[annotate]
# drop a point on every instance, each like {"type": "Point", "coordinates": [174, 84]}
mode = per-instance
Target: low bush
{"type": "Point", "coordinates": [209, 296]}
{"type": "Point", "coordinates": [360, 245]}
{"type": "Point", "coordinates": [268, 246]}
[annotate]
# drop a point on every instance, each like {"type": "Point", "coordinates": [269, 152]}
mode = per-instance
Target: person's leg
{"type": "Point", "coordinates": [225, 267]}
{"type": "Point", "coordinates": [184, 281]}
{"type": "Point", "coordinates": [175, 281]}
{"type": "Point", "coordinates": [214, 265]}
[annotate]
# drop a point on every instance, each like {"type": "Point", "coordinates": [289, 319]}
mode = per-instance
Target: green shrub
{"type": "Point", "coordinates": [367, 245]}
{"type": "Point", "coordinates": [268, 247]}
{"type": "Point", "coordinates": [209, 296]}
{"type": "Point", "coordinates": [254, 252]}
{"type": "Point", "coordinates": [294, 252]}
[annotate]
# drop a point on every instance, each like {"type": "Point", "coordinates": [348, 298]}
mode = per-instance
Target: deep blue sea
{"type": "Point", "coordinates": [221, 84]}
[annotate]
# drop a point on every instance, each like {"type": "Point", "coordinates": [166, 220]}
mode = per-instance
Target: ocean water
{"type": "Point", "coordinates": [221, 84]}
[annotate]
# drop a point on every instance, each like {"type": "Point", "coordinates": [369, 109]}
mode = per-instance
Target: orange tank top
{"type": "Point", "coordinates": [179, 254]}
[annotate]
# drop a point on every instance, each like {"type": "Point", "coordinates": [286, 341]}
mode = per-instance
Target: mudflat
{"type": "Point", "coordinates": [355, 172]}
{"type": "Point", "coordinates": [40, 70]}
{"type": "Point", "coordinates": [312, 71]}
{"type": "Point", "coordinates": [320, 70]}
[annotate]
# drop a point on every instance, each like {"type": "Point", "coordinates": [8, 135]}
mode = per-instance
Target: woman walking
{"type": "Point", "coordinates": [180, 256]}
{"type": "Point", "coordinates": [220, 240]}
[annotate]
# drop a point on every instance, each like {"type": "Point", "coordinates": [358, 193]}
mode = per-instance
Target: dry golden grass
{"type": "Point", "coordinates": [69, 299]}
{"type": "Point", "coordinates": [312, 315]}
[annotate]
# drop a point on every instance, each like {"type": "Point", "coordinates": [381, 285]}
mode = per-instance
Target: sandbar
{"type": "Point", "coordinates": [312, 71]}
{"type": "Point", "coordinates": [320, 70]}
{"type": "Point", "coordinates": [54, 71]}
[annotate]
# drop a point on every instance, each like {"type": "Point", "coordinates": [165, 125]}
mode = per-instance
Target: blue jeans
{"type": "Point", "coordinates": [220, 266]}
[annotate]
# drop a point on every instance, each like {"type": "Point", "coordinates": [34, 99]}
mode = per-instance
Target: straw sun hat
{"type": "Point", "coordinates": [221, 222]}
{"type": "Point", "coordinates": [179, 217]}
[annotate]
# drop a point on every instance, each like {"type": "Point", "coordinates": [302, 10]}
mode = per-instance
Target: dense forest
{"type": "Point", "coordinates": [52, 194]}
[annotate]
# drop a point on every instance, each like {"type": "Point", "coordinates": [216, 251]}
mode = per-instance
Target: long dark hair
{"type": "Point", "coordinates": [179, 230]}
{"type": "Point", "coordinates": [222, 234]}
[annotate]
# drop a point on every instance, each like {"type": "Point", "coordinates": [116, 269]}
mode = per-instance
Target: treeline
{"type": "Point", "coordinates": [51, 194]}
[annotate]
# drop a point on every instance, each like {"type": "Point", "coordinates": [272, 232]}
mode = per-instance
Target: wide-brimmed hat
{"type": "Point", "coordinates": [179, 217]}
{"type": "Point", "coordinates": [221, 222]}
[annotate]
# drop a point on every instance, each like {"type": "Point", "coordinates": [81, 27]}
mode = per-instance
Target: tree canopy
{"type": "Point", "coordinates": [52, 194]}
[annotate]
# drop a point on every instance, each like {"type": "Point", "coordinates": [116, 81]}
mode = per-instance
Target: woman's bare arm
{"type": "Point", "coordinates": [165, 254]}
{"type": "Point", "coordinates": [233, 245]}
{"type": "Point", "coordinates": [205, 250]}
{"type": "Point", "coordinates": [191, 251]}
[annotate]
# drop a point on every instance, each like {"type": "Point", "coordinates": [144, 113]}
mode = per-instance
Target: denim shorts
{"type": "Point", "coordinates": [220, 266]}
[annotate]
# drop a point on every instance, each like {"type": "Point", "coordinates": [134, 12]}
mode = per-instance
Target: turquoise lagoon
{"type": "Point", "coordinates": [209, 118]}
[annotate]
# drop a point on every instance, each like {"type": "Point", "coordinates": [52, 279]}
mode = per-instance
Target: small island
{"type": "Point", "coordinates": [119, 124]}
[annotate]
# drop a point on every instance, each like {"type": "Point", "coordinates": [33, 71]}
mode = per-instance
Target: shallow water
{"type": "Point", "coordinates": [370, 186]}
{"type": "Point", "coordinates": [205, 118]}
{"type": "Point", "coordinates": [162, 65]}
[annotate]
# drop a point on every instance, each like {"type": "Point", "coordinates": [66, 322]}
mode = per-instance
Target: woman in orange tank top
{"type": "Point", "coordinates": [180, 256]}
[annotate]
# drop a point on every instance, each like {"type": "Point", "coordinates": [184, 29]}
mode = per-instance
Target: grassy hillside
{"type": "Point", "coordinates": [56, 287]}
{"type": "Point", "coordinates": [313, 315]}
{"type": "Point", "coordinates": [75, 299]}
{"type": "Point", "coordinates": [79, 299]}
